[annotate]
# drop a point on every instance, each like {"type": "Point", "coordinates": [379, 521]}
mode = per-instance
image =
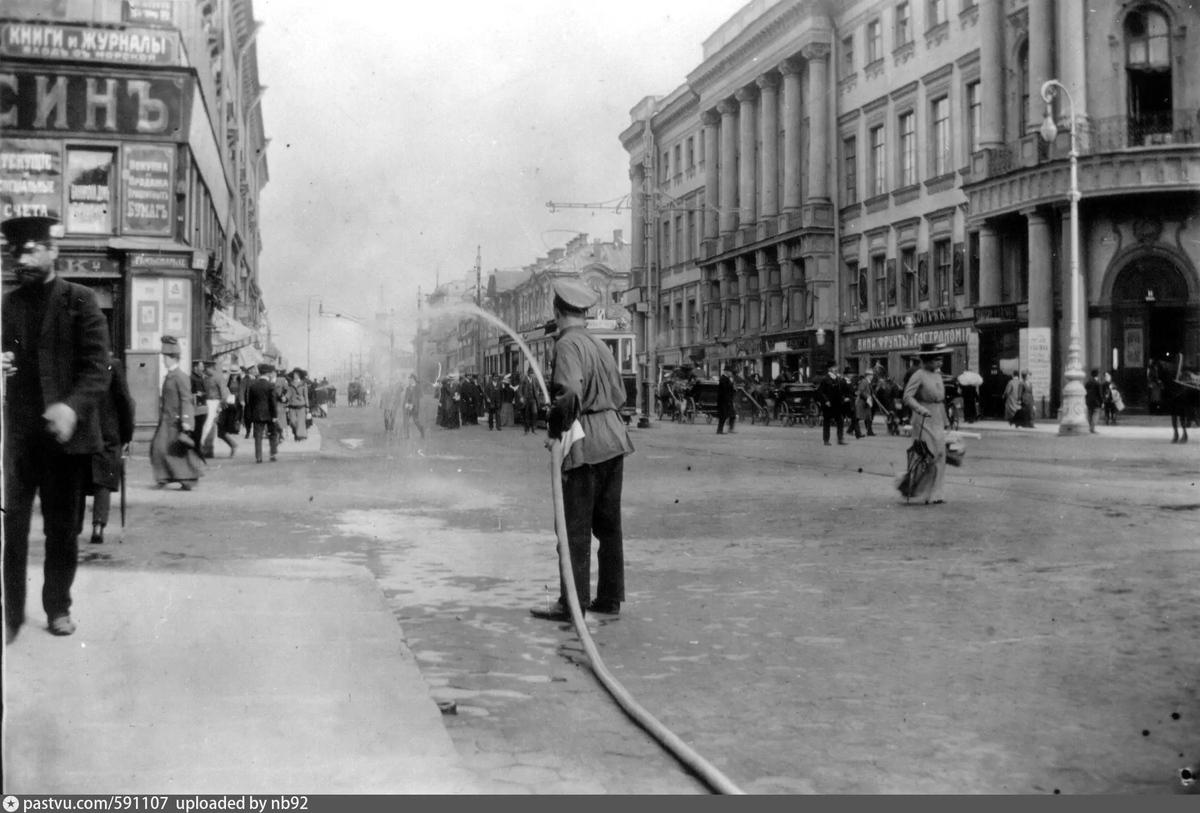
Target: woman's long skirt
{"type": "Point", "coordinates": [298, 423]}
{"type": "Point", "coordinates": [172, 461]}
{"type": "Point", "coordinates": [932, 430]}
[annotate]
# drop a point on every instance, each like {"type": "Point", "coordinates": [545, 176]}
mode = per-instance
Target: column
{"type": "Point", "coordinates": [637, 177]}
{"type": "Point", "coordinates": [786, 275]}
{"type": "Point", "coordinates": [817, 55]}
{"type": "Point", "coordinates": [747, 193]}
{"type": "Point", "coordinates": [710, 119]}
{"type": "Point", "coordinates": [728, 188]}
{"type": "Point", "coordinates": [1072, 67]}
{"type": "Point", "coordinates": [769, 105]}
{"type": "Point", "coordinates": [989, 266]}
{"type": "Point", "coordinates": [991, 73]}
{"type": "Point", "coordinates": [742, 265]}
{"type": "Point", "coordinates": [791, 135]}
{"type": "Point", "coordinates": [1041, 285]}
{"type": "Point", "coordinates": [1041, 65]}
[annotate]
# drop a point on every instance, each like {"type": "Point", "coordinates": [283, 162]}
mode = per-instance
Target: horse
{"type": "Point", "coordinates": [1181, 399]}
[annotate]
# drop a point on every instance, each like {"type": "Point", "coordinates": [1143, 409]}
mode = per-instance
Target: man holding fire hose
{"type": "Point", "coordinates": [586, 385]}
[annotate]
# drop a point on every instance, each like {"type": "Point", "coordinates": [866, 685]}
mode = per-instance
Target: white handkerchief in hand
{"type": "Point", "coordinates": [575, 433]}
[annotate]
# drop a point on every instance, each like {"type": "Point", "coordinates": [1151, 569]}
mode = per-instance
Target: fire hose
{"type": "Point", "coordinates": [712, 777]}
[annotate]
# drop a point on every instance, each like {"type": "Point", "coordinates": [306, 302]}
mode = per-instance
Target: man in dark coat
{"type": "Point", "coordinates": [116, 427]}
{"type": "Point", "coordinates": [831, 393]}
{"type": "Point", "coordinates": [262, 411]}
{"type": "Point", "coordinates": [493, 397]}
{"type": "Point", "coordinates": [725, 396]}
{"type": "Point", "coordinates": [1094, 399]}
{"type": "Point", "coordinates": [249, 376]}
{"type": "Point", "coordinates": [55, 362]}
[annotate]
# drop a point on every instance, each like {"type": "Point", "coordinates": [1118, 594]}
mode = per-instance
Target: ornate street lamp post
{"type": "Point", "coordinates": [1073, 413]}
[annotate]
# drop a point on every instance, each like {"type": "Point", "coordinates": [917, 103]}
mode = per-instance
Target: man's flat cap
{"type": "Point", "coordinates": [265, 368]}
{"type": "Point", "coordinates": [574, 294]}
{"type": "Point", "coordinates": [20, 230]}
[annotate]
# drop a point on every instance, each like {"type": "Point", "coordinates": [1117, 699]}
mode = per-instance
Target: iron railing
{"type": "Point", "coordinates": [1142, 130]}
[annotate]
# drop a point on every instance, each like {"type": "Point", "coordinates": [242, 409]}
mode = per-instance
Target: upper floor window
{"type": "Point", "coordinates": [903, 25]}
{"type": "Point", "coordinates": [691, 152]}
{"type": "Point", "coordinates": [678, 158]}
{"type": "Point", "coordinates": [848, 56]}
{"type": "Point", "coordinates": [908, 150]}
{"type": "Point", "coordinates": [878, 162]}
{"type": "Point", "coordinates": [664, 171]}
{"type": "Point", "coordinates": [852, 289]}
{"type": "Point", "coordinates": [1023, 88]}
{"type": "Point", "coordinates": [874, 41]}
{"type": "Point", "coordinates": [1147, 40]}
{"type": "Point", "coordinates": [974, 117]}
{"type": "Point", "coordinates": [941, 137]}
{"type": "Point", "coordinates": [850, 169]}
{"type": "Point", "coordinates": [937, 12]}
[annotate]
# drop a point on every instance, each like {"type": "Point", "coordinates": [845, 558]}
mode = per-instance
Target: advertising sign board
{"type": "Point", "coordinates": [129, 46]}
{"type": "Point", "coordinates": [148, 186]}
{"type": "Point", "coordinates": [30, 178]}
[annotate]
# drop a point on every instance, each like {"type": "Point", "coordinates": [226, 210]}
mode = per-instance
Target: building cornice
{"type": "Point", "coordinates": [754, 38]}
{"type": "Point", "coordinates": [685, 105]}
{"type": "Point", "coordinates": [631, 136]}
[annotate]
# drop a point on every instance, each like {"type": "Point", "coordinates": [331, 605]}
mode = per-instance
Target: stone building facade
{"type": "Point", "coordinates": [138, 124]}
{"type": "Point", "coordinates": [871, 177]}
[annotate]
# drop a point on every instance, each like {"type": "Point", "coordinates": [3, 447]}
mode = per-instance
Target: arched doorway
{"type": "Point", "coordinates": [1150, 323]}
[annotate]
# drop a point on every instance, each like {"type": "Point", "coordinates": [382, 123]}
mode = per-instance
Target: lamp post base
{"type": "Point", "coordinates": [1073, 419]}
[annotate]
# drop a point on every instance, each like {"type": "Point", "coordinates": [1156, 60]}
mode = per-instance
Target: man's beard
{"type": "Point", "coordinates": [31, 274]}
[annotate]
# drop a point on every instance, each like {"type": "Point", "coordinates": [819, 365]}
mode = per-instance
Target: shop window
{"type": "Point", "coordinates": [90, 192]}
{"type": "Point", "coordinates": [908, 278]}
{"type": "Point", "coordinates": [879, 272]}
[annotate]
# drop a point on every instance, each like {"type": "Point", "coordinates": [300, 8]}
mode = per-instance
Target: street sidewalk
{"type": "Point", "coordinates": [1136, 428]}
{"type": "Point", "coordinates": [279, 676]}
{"type": "Point", "coordinates": [309, 445]}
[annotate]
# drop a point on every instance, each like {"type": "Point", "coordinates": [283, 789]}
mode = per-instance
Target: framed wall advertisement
{"type": "Point", "coordinates": [175, 321]}
{"type": "Point", "coordinates": [148, 189]}
{"type": "Point", "coordinates": [176, 290]}
{"type": "Point", "coordinates": [147, 316]}
{"type": "Point", "coordinates": [1134, 352]}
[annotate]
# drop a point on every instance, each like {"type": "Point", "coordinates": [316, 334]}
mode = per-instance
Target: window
{"type": "Point", "coordinates": [908, 278]}
{"type": "Point", "coordinates": [691, 236]}
{"type": "Point", "coordinates": [878, 162]}
{"type": "Point", "coordinates": [941, 272]}
{"type": "Point", "coordinates": [903, 25]}
{"type": "Point", "coordinates": [665, 170]}
{"type": "Point", "coordinates": [1147, 40]}
{"type": "Point", "coordinates": [679, 244]}
{"type": "Point", "coordinates": [1023, 88]}
{"type": "Point", "coordinates": [89, 182]}
{"type": "Point", "coordinates": [850, 169]}
{"type": "Point", "coordinates": [664, 245]}
{"type": "Point", "coordinates": [863, 292]}
{"type": "Point", "coordinates": [874, 41]}
{"type": "Point", "coordinates": [691, 152]}
{"type": "Point", "coordinates": [848, 56]}
{"type": "Point", "coordinates": [974, 117]}
{"type": "Point", "coordinates": [923, 277]}
{"type": "Point", "coordinates": [942, 161]}
{"type": "Point", "coordinates": [699, 233]}
{"type": "Point", "coordinates": [852, 288]}
{"type": "Point", "coordinates": [908, 150]}
{"type": "Point", "coordinates": [973, 266]}
{"type": "Point", "coordinates": [678, 158]}
{"type": "Point", "coordinates": [891, 283]}
{"type": "Point", "coordinates": [937, 12]}
{"type": "Point", "coordinates": [879, 271]}
{"type": "Point", "coordinates": [702, 148]}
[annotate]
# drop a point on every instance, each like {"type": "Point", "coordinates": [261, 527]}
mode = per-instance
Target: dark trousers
{"type": "Point", "coordinates": [224, 425]}
{"type": "Point", "coordinates": [272, 430]}
{"type": "Point", "coordinates": [592, 502]}
{"type": "Point", "coordinates": [854, 427]}
{"type": "Point", "coordinates": [831, 418]}
{"type": "Point", "coordinates": [726, 417]}
{"type": "Point", "coordinates": [529, 416]}
{"type": "Point", "coordinates": [59, 480]}
{"type": "Point", "coordinates": [101, 505]}
{"type": "Point", "coordinates": [494, 418]}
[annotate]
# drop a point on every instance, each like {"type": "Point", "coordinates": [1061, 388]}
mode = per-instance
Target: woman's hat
{"type": "Point", "coordinates": [170, 346]}
{"type": "Point", "coordinates": [931, 349]}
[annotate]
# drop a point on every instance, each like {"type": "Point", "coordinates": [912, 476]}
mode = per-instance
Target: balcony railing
{"type": "Point", "coordinates": [1143, 130]}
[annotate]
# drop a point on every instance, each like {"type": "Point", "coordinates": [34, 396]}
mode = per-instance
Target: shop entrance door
{"type": "Point", "coordinates": [1149, 324]}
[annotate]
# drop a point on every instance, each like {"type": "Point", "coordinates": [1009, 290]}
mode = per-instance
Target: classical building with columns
{"type": "Point", "coordinates": [849, 180]}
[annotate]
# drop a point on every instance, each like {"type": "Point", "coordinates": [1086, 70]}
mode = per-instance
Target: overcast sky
{"type": "Point", "coordinates": [403, 138]}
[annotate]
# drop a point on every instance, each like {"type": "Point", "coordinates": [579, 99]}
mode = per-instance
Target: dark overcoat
{"type": "Point", "coordinates": [116, 427]}
{"type": "Point", "coordinates": [172, 460]}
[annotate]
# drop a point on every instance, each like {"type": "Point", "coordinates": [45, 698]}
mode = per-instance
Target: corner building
{"type": "Point", "coordinates": [138, 124]}
{"type": "Point", "coordinates": [869, 176]}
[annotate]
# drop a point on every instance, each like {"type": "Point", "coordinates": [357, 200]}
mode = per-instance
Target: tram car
{"type": "Point", "coordinates": [616, 339]}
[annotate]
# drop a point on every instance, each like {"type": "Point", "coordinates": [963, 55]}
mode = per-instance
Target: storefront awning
{"type": "Point", "coordinates": [229, 335]}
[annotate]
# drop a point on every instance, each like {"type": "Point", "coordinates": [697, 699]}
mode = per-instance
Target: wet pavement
{"type": "Point", "coordinates": [787, 615]}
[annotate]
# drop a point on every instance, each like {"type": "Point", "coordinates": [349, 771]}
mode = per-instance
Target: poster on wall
{"type": "Point", "coordinates": [1134, 353]}
{"type": "Point", "coordinates": [148, 183]}
{"type": "Point", "coordinates": [30, 178]}
{"type": "Point", "coordinates": [1038, 363]}
{"type": "Point", "coordinates": [89, 185]}
{"type": "Point", "coordinates": [161, 306]}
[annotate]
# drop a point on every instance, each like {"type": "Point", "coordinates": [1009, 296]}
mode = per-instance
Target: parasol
{"type": "Point", "coordinates": [970, 379]}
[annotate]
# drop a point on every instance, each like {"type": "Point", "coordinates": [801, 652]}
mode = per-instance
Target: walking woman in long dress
{"type": "Point", "coordinates": [925, 395]}
{"type": "Point", "coordinates": [297, 405]}
{"type": "Point", "coordinates": [173, 454]}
